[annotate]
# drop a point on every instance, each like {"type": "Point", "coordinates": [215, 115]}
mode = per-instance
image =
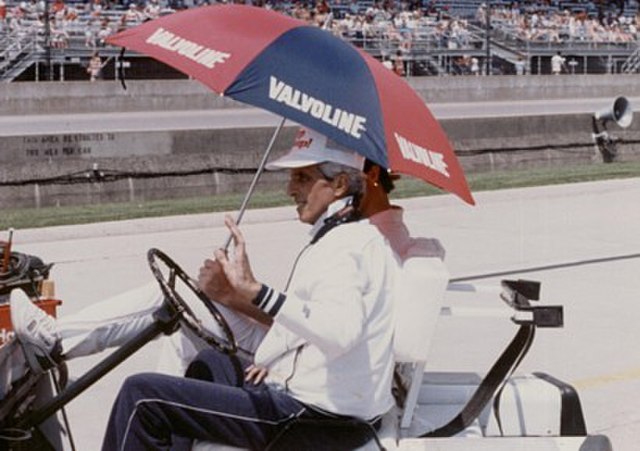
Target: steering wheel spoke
{"type": "Point", "coordinates": [158, 260]}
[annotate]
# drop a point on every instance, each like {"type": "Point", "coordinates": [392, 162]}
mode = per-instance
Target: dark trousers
{"type": "Point", "coordinates": [155, 411]}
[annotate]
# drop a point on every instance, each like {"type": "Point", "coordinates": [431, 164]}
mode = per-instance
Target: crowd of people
{"type": "Point", "coordinates": [92, 21]}
{"type": "Point", "coordinates": [556, 25]}
{"type": "Point", "coordinates": [381, 25]}
{"type": "Point", "coordinates": [391, 30]}
{"type": "Point", "coordinates": [370, 24]}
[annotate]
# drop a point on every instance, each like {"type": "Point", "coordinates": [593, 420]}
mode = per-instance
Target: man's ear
{"type": "Point", "coordinates": [340, 185]}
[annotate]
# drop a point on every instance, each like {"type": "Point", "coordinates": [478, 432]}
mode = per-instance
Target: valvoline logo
{"type": "Point", "coordinates": [302, 141]}
{"type": "Point", "coordinates": [426, 157]}
{"type": "Point", "coordinates": [343, 120]}
{"type": "Point", "coordinates": [189, 49]}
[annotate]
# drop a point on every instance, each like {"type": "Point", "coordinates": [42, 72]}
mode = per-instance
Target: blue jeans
{"type": "Point", "coordinates": [155, 411]}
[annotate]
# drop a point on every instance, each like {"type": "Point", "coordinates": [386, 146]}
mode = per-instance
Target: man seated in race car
{"type": "Point", "coordinates": [328, 351]}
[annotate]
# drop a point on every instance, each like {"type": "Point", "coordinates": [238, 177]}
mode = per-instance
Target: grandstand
{"type": "Point", "coordinates": [55, 39]}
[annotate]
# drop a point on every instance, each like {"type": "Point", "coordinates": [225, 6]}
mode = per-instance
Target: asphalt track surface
{"type": "Point", "coordinates": [586, 235]}
{"type": "Point", "coordinates": [251, 117]}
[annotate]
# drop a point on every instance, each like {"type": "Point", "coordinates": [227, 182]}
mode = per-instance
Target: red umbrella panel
{"type": "Point", "coordinates": [305, 74]}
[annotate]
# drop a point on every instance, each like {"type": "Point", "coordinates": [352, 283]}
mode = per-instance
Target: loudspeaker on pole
{"type": "Point", "coordinates": [620, 112]}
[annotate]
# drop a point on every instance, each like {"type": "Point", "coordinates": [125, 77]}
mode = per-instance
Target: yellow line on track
{"type": "Point", "coordinates": [598, 381]}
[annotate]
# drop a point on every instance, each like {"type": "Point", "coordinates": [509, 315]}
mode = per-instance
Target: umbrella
{"type": "Point", "coordinates": [305, 74]}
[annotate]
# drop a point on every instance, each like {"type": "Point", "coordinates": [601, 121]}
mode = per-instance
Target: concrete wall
{"type": "Point", "coordinates": [171, 152]}
{"type": "Point", "coordinates": [482, 143]}
{"type": "Point", "coordinates": [108, 96]}
{"type": "Point", "coordinates": [487, 144]}
{"type": "Point", "coordinates": [531, 87]}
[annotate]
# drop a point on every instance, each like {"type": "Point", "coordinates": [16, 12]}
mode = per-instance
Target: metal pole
{"type": "Point", "coordinates": [488, 40]}
{"type": "Point", "coordinates": [94, 374]}
{"type": "Point", "coordinates": [47, 40]}
{"type": "Point", "coordinates": [257, 175]}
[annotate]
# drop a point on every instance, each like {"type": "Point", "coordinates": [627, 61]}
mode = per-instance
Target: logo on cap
{"type": "Point", "coordinates": [302, 141]}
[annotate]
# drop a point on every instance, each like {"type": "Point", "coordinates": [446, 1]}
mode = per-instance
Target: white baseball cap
{"type": "Point", "coordinates": [311, 147]}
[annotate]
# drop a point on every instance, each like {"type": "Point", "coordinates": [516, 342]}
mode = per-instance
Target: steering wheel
{"type": "Point", "coordinates": [226, 344]}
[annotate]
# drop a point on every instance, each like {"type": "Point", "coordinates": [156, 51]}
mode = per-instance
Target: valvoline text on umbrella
{"type": "Point", "coordinates": [189, 49]}
{"type": "Point", "coordinates": [429, 158]}
{"type": "Point", "coordinates": [350, 123]}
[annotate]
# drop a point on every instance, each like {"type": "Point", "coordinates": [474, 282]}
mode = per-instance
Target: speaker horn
{"type": "Point", "coordinates": [620, 112]}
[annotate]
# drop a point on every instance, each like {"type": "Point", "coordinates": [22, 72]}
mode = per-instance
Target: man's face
{"type": "Point", "coordinates": [311, 192]}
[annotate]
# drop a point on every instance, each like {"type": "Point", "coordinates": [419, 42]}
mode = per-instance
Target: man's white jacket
{"type": "Point", "coordinates": [331, 342]}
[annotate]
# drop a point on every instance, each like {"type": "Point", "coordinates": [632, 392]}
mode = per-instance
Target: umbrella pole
{"type": "Point", "coordinates": [254, 182]}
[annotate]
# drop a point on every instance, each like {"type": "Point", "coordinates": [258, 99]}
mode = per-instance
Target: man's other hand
{"type": "Point", "coordinates": [255, 374]}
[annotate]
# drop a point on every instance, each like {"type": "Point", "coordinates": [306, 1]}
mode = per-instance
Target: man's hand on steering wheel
{"type": "Point", "coordinates": [169, 276]}
{"type": "Point", "coordinates": [238, 269]}
{"type": "Point", "coordinates": [230, 281]}
{"type": "Point", "coordinates": [214, 283]}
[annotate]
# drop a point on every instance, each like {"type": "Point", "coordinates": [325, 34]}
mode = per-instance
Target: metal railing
{"type": "Point", "coordinates": [632, 63]}
{"type": "Point", "coordinates": [15, 48]}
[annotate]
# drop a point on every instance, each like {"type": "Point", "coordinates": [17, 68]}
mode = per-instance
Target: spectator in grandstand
{"type": "Point", "coordinates": [300, 11]}
{"type": "Point", "coordinates": [90, 33]}
{"type": "Point", "coordinates": [151, 10]}
{"type": "Point", "coordinates": [405, 44]}
{"type": "Point", "coordinates": [398, 64]}
{"type": "Point", "coordinates": [356, 34]}
{"type": "Point", "coordinates": [632, 29]}
{"type": "Point", "coordinates": [353, 6]}
{"type": "Point", "coordinates": [474, 66]}
{"type": "Point", "coordinates": [133, 16]}
{"type": "Point", "coordinates": [321, 12]}
{"type": "Point", "coordinates": [461, 65]}
{"type": "Point", "coordinates": [557, 63]}
{"type": "Point", "coordinates": [370, 31]}
{"type": "Point", "coordinates": [70, 14]}
{"type": "Point", "coordinates": [386, 62]}
{"type": "Point", "coordinates": [95, 8]}
{"type": "Point", "coordinates": [95, 67]}
{"type": "Point", "coordinates": [481, 13]}
{"type": "Point", "coordinates": [339, 27]}
{"type": "Point", "coordinates": [105, 31]}
{"type": "Point", "coordinates": [19, 11]}
{"type": "Point", "coordinates": [387, 31]}
{"type": "Point", "coordinates": [59, 34]}
{"type": "Point", "coordinates": [28, 9]}
{"type": "Point", "coordinates": [458, 35]}
{"type": "Point", "coordinates": [57, 6]}
{"type": "Point", "coordinates": [519, 66]}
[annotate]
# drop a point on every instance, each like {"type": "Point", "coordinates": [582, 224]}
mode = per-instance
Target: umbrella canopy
{"type": "Point", "coordinates": [305, 74]}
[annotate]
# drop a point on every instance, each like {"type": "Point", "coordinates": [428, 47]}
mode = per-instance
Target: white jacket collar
{"type": "Point", "coordinates": [333, 207]}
